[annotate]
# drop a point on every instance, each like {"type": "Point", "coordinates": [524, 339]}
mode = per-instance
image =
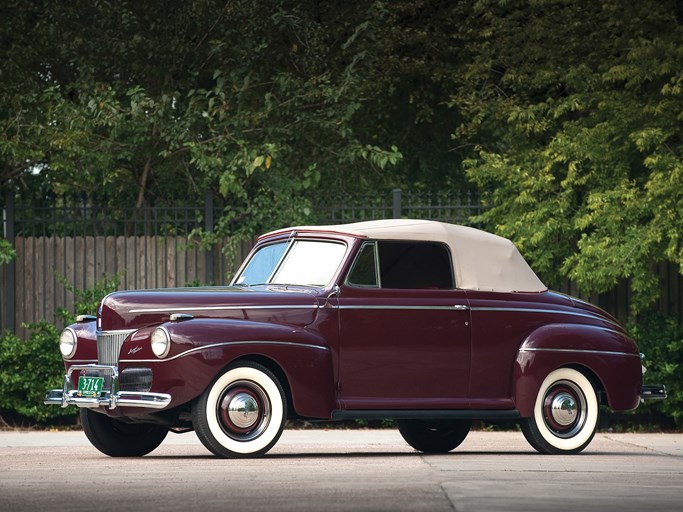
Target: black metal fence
{"type": "Point", "coordinates": [64, 242]}
{"type": "Point", "coordinates": [445, 206]}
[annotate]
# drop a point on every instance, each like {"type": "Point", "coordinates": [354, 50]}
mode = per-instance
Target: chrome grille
{"type": "Point", "coordinates": [109, 346]}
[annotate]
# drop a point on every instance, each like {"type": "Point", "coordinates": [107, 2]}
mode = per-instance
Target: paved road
{"type": "Point", "coordinates": [333, 470]}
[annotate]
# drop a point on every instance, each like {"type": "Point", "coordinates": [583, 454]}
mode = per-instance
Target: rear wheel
{"type": "Point", "coordinates": [119, 439]}
{"type": "Point", "coordinates": [434, 436]}
{"type": "Point", "coordinates": [565, 414]}
{"type": "Point", "coordinates": [242, 414]}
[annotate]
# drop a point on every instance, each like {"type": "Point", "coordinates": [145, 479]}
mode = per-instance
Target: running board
{"type": "Point", "coordinates": [425, 414]}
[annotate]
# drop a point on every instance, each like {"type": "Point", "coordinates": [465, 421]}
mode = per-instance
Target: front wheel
{"type": "Point", "coordinates": [242, 414]}
{"type": "Point", "coordinates": [565, 415]}
{"type": "Point", "coordinates": [119, 439]}
{"type": "Point", "coordinates": [434, 436]}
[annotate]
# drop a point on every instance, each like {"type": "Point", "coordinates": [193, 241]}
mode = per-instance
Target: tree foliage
{"type": "Point", "coordinates": [259, 101]}
{"type": "Point", "coordinates": [575, 112]}
{"type": "Point", "coordinates": [566, 113]}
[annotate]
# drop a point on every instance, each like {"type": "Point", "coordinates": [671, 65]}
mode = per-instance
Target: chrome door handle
{"type": "Point", "coordinates": [461, 307]}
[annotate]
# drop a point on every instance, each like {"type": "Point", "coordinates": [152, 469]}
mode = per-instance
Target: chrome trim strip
{"type": "Point", "coordinates": [579, 350]}
{"type": "Point", "coordinates": [552, 311]}
{"type": "Point", "coordinates": [458, 307]}
{"type": "Point", "coordinates": [214, 345]}
{"type": "Point", "coordinates": [222, 308]}
{"type": "Point", "coordinates": [121, 331]}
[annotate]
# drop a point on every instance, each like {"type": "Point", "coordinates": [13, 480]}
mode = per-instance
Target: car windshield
{"type": "Point", "coordinates": [302, 262]}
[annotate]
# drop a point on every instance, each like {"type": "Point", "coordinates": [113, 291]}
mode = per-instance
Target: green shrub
{"type": "Point", "coordinates": [32, 366]}
{"type": "Point", "coordinates": [7, 252]}
{"type": "Point", "coordinates": [660, 338]}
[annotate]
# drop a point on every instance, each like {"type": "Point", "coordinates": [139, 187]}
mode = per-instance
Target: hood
{"type": "Point", "coordinates": [144, 308]}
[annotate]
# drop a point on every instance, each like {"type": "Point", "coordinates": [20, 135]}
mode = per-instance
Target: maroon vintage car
{"type": "Point", "coordinates": [431, 324]}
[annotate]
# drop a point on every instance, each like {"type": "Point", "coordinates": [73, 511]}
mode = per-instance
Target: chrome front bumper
{"type": "Point", "coordinates": [110, 398]}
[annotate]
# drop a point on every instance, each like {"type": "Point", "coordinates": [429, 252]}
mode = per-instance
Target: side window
{"type": "Point", "coordinates": [403, 265]}
{"type": "Point", "coordinates": [364, 271]}
{"type": "Point", "coordinates": [413, 265]}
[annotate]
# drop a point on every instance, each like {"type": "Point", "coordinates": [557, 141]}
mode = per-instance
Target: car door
{"type": "Point", "coordinates": [404, 330]}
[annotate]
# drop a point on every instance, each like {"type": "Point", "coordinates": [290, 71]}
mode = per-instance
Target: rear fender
{"type": "Point", "coordinates": [608, 358]}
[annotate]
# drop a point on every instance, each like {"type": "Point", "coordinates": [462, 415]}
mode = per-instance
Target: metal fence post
{"type": "Point", "coordinates": [208, 227]}
{"type": "Point", "coordinates": [397, 203]}
{"type": "Point", "coordinates": [10, 289]}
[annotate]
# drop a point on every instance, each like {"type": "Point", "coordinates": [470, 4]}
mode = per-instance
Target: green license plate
{"type": "Point", "coordinates": [90, 386]}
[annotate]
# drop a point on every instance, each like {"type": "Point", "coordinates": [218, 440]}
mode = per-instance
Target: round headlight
{"type": "Point", "coordinates": [67, 343]}
{"type": "Point", "coordinates": [161, 342]}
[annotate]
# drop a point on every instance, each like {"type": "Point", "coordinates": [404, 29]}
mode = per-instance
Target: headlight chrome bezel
{"type": "Point", "coordinates": [68, 343]}
{"type": "Point", "coordinates": [160, 342]}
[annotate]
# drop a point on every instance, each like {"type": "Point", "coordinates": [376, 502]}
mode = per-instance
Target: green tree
{"type": "Point", "coordinates": [566, 113]}
{"type": "Point", "coordinates": [159, 103]}
{"type": "Point", "coordinates": [261, 101]}
{"type": "Point", "coordinates": [575, 112]}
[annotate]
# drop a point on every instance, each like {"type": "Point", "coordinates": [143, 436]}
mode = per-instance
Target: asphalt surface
{"type": "Point", "coordinates": [343, 470]}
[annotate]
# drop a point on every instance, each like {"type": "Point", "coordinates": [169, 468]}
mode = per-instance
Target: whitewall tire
{"type": "Point", "coordinates": [565, 416]}
{"type": "Point", "coordinates": [242, 413]}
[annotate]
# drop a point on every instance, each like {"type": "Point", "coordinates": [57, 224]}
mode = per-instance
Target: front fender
{"type": "Point", "coordinates": [608, 357]}
{"type": "Point", "coordinates": [202, 348]}
{"type": "Point", "coordinates": [86, 348]}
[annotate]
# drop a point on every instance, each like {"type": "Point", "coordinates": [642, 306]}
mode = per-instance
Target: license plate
{"type": "Point", "coordinates": [90, 386]}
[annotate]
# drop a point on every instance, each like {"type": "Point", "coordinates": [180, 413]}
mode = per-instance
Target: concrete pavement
{"type": "Point", "coordinates": [343, 470]}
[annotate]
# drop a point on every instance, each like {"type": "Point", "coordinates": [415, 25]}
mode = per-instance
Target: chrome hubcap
{"type": "Point", "coordinates": [563, 409]}
{"type": "Point", "coordinates": [243, 410]}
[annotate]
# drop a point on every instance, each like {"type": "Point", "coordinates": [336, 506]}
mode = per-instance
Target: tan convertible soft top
{"type": "Point", "coordinates": [483, 261]}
